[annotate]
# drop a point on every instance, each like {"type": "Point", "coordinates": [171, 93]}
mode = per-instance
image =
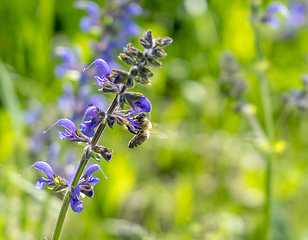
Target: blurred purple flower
{"type": "Point", "coordinates": [94, 12]}
{"type": "Point", "coordinates": [70, 61]}
{"type": "Point", "coordinates": [76, 106]}
{"type": "Point", "coordinates": [297, 14]}
{"type": "Point", "coordinates": [272, 12]}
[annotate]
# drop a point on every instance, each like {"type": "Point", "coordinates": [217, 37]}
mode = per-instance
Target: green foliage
{"type": "Point", "coordinates": [206, 180]}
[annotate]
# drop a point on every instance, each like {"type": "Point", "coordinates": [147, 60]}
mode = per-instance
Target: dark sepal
{"type": "Point", "coordinates": [106, 153]}
{"type": "Point", "coordinates": [80, 137]}
{"type": "Point", "coordinates": [110, 120]}
{"type": "Point", "coordinates": [132, 97]}
{"type": "Point", "coordinates": [121, 101]}
{"type": "Point", "coordinates": [143, 80]}
{"type": "Point", "coordinates": [120, 77]}
{"type": "Point", "coordinates": [121, 121]}
{"type": "Point", "coordinates": [154, 62]}
{"type": "Point", "coordinates": [145, 72]}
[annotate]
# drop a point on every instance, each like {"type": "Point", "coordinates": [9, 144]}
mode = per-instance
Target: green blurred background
{"type": "Point", "coordinates": [206, 180]}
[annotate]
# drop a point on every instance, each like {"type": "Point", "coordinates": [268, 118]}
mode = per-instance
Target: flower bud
{"type": "Point", "coordinates": [148, 37]}
{"type": "Point", "coordinates": [163, 42]}
{"type": "Point", "coordinates": [126, 59]}
{"type": "Point", "coordinates": [144, 43]}
{"type": "Point", "coordinates": [130, 83]}
{"type": "Point", "coordinates": [121, 101]}
{"type": "Point", "coordinates": [160, 53]}
{"type": "Point", "coordinates": [133, 71]}
{"type": "Point", "coordinates": [143, 80]}
{"type": "Point", "coordinates": [155, 62]}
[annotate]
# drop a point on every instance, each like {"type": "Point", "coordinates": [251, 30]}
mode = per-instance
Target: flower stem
{"type": "Point", "coordinates": [270, 132]}
{"type": "Point", "coordinates": [82, 164]}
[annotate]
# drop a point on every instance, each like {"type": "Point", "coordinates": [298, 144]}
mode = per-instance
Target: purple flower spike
{"type": "Point", "coordinates": [76, 203]}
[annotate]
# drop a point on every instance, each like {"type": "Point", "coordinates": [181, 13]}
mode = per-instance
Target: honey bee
{"type": "Point", "coordinates": [144, 130]}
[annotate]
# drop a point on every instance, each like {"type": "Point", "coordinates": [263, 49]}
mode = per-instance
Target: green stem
{"type": "Point", "coordinates": [82, 164]}
{"type": "Point", "coordinates": [270, 132]}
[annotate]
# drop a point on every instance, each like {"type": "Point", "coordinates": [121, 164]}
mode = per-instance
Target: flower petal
{"type": "Point", "coordinates": [45, 167]}
{"type": "Point", "coordinates": [93, 168]}
{"type": "Point", "coordinates": [143, 104]}
{"type": "Point", "coordinates": [93, 180]}
{"type": "Point", "coordinates": [41, 182]}
{"type": "Point", "coordinates": [102, 64]}
{"type": "Point", "coordinates": [68, 124]}
{"type": "Point", "coordinates": [87, 128]}
{"type": "Point", "coordinates": [76, 203]}
{"type": "Point", "coordinates": [91, 112]}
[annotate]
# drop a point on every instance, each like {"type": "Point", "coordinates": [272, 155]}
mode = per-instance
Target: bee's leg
{"type": "Point", "coordinates": [130, 129]}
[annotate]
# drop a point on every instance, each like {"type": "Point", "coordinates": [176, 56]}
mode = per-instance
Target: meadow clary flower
{"type": "Point", "coordinates": [103, 66]}
{"type": "Point", "coordinates": [142, 105]}
{"type": "Point", "coordinates": [70, 132]}
{"type": "Point", "coordinates": [90, 120]}
{"type": "Point", "coordinates": [56, 182]}
{"type": "Point", "coordinates": [76, 203]}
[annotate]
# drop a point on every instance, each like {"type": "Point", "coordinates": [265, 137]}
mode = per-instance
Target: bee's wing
{"type": "Point", "coordinates": [156, 131]}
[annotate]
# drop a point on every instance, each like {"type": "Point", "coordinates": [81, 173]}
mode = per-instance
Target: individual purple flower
{"type": "Point", "coordinates": [87, 181]}
{"type": "Point", "coordinates": [70, 131]}
{"type": "Point", "coordinates": [52, 179]}
{"type": "Point", "coordinates": [76, 203]}
{"type": "Point", "coordinates": [142, 105]}
{"type": "Point", "coordinates": [94, 12]}
{"type": "Point", "coordinates": [272, 12]}
{"type": "Point", "coordinates": [93, 168]}
{"type": "Point", "coordinates": [90, 120]}
{"type": "Point", "coordinates": [70, 128]}
{"type": "Point", "coordinates": [103, 66]}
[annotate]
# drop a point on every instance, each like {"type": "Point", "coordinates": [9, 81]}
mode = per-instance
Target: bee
{"type": "Point", "coordinates": [143, 132]}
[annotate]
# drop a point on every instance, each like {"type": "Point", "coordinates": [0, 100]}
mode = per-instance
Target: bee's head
{"type": "Point", "coordinates": [140, 117]}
